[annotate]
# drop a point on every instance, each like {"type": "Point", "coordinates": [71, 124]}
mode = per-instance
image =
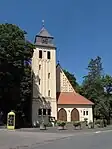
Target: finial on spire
{"type": "Point", "coordinates": [43, 23]}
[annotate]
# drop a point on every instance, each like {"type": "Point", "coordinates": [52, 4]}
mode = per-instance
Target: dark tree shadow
{"type": "Point", "coordinates": [9, 89]}
{"type": "Point", "coordinates": [10, 96]}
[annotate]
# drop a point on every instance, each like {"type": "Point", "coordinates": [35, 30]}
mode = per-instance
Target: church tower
{"type": "Point", "coordinates": [44, 102]}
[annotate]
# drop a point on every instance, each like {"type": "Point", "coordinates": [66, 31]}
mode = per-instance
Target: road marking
{"type": "Point", "coordinates": [97, 132]}
{"type": "Point", "coordinates": [106, 130]}
{"type": "Point", "coordinates": [103, 131]}
{"type": "Point", "coordinates": [94, 132]}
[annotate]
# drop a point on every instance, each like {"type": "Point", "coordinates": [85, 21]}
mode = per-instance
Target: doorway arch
{"type": "Point", "coordinates": [74, 115]}
{"type": "Point", "coordinates": [62, 115]}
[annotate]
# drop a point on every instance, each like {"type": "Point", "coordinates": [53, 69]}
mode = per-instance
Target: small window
{"type": "Point", "coordinates": [83, 112]}
{"type": "Point", "coordinates": [44, 111]}
{"type": "Point", "coordinates": [48, 92]}
{"type": "Point", "coordinates": [40, 112]}
{"type": "Point", "coordinates": [39, 81]}
{"type": "Point", "coordinates": [48, 55]}
{"type": "Point", "coordinates": [49, 111]}
{"type": "Point", "coordinates": [40, 53]}
{"type": "Point", "coordinates": [48, 75]}
{"type": "Point", "coordinates": [39, 67]}
{"type": "Point", "coordinates": [86, 112]}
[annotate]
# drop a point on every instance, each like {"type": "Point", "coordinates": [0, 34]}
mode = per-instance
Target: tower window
{"type": "Point", "coordinates": [48, 55]}
{"type": "Point", "coordinates": [48, 92]}
{"type": "Point", "coordinates": [49, 111]}
{"type": "Point", "coordinates": [44, 111]}
{"type": "Point", "coordinates": [48, 75]}
{"type": "Point", "coordinates": [39, 111]}
{"type": "Point", "coordinates": [39, 67]}
{"type": "Point", "coordinates": [40, 53]}
{"type": "Point", "coordinates": [39, 81]}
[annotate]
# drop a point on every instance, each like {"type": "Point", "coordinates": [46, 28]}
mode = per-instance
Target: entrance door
{"type": "Point", "coordinates": [62, 115]}
{"type": "Point", "coordinates": [75, 115]}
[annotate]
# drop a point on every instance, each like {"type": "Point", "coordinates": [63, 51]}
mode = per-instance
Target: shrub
{"type": "Point", "coordinates": [49, 124]}
{"type": "Point", "coordinates": [90, 124]}
{"type": "Point", "coordinates": [97, 122]}
{"type": "Point", "coordinates": [83, 124]}
{"type": "Point", "coordinates": [86, 121]}
{"type": "Point", "coordinates": [101, 123]}
{"type": "Point", "coordinates": [105, 122]}
{"type": "Point", "coordinates": [61, 123]}
{"type": "Point", "coordinates": [76, 124]}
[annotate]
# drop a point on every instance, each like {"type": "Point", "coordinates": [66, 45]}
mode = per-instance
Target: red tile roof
{"type": "Point", "coordinates": [72, 98]}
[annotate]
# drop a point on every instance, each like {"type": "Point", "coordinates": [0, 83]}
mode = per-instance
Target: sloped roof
{"type": "Point", "coordinates": [72, 98]}
{"type": "Point", "coordinates": [44, 33]}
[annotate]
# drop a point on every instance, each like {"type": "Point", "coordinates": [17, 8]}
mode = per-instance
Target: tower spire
{"type": "Point", "coordinates": [43, 23]}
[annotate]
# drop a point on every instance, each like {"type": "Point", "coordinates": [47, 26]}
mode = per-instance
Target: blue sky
{"type": "Point", "coordinates": [82, 28]}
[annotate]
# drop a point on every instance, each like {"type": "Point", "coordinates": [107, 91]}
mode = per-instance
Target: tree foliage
{"type": "Point", "coordinates": [15, 75]}
{"type": "Point", "coordinates": [107, 84]}
{"type": "Point", "coordinates": [98, 88]}
{"type": "Point", "coordinates": [92, 85]}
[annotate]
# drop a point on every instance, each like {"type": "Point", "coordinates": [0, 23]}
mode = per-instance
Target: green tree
{"type": "Point", "coordinates": [95, 69]}
{"type": "Point", "coordinates": [92, 87]}
{"type": "Point", "coordinates": [106, 103]}
{"type": "Point", "coordinates": [98, 88]}
{"type": "Point", "coordinates": [15, 50]}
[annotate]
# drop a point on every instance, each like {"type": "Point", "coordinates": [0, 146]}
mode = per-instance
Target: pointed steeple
{"type": "Point", "coordinates": [43, 32]}
{"type": "Point", "coordinates": [43, 38]}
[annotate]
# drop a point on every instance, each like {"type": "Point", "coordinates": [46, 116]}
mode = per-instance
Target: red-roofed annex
{"type": "Point", "coordinates": [71, 105]}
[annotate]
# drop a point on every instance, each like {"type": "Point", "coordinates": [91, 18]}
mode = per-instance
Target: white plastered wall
{"type": "Point", "coordinates": [80, 108]}
{"type": "Point", "coordinates": [46, 84]}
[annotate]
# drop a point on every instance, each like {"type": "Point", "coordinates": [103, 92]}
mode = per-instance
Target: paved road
{"type": "Point", "coordinates": [90, 140]}
{"type": "Point", "coordinates": [41, 140]}
{"type": "Point", "coordinates": [27, 140]}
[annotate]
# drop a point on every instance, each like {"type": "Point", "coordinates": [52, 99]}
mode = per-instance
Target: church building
{"type": "Point", "coordinates": [53, 95]}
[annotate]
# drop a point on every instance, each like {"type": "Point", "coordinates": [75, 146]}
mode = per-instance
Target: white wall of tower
{"type": "Point", "coordinates": [44, 80]}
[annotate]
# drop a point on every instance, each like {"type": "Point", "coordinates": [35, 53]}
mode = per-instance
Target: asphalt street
{"type": "Point", "coordinates": [42, 140]}
{"type": "Point", "coordinates": [98, 140]}
{"type": "Point", "coordinates": [12, 139]}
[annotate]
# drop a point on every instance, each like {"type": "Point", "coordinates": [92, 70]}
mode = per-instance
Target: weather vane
{"type": "Point", "coordinates": [43, 23]}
